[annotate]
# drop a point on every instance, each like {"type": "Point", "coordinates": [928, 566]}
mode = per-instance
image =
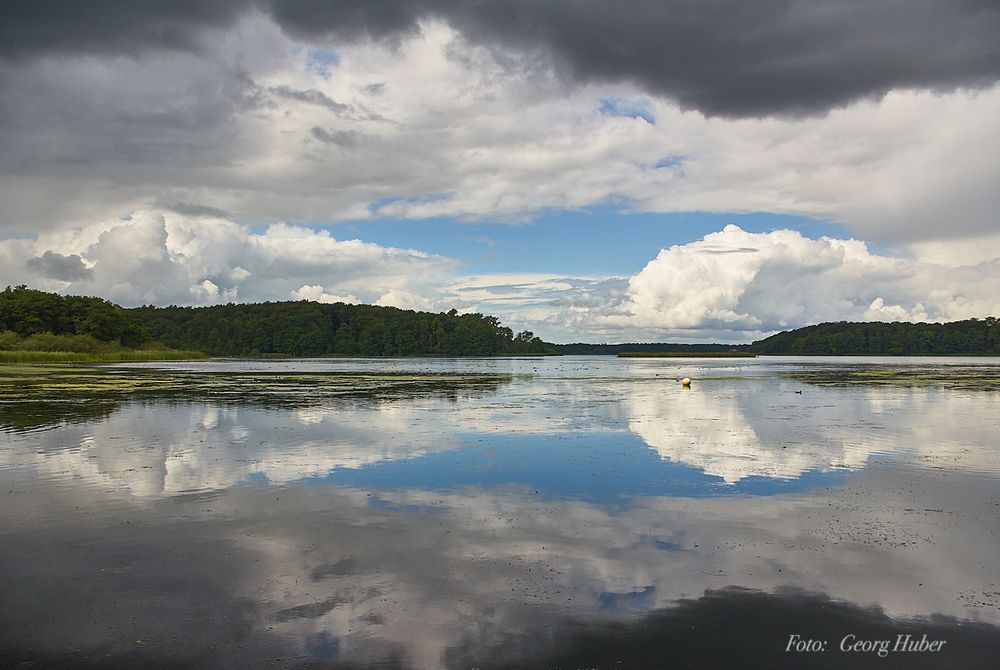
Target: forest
{"type": "Point", "coordinates": [313, 329]}
{"type": "Point", "coordinates": [41, 321]}
{"type": "Point", "coordinates": [36, 320]}
{"type": "Point", "coordinates": [31, 319]}
{"type": "Point", "coordinates": [975, 337]}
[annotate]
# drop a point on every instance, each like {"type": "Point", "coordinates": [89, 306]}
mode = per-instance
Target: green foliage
{"type": "Point", "coordinates": [37, 321]}
{"type": "Point", "coordinates": [971, 337]}
{"type": "Point", "coordinates": [28, 312]}
{"type": "Point", "coordinates": [26, 357]}
{"type": "Point", "coordinates": [75, 343]}
{"type": "Point", "coordinates": [9, 340]}
{"type": "Point", "coordinates": [313, 329]}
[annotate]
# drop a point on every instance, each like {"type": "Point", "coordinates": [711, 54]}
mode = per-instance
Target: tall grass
{"type": "Point", "coordinates": [49, 348]}
{"type": "Point", "coordinates": [18, 356]}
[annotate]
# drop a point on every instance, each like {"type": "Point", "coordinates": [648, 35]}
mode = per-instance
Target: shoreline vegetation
{"type": "Point", "coordinates": [15, 357]}
{"type": "Point", "coordinates": [971, 337]}
{"type": "Point", "coordinates": [36, 326]}
{"type": "Point", "coordinates": [636, 348]}
{"type": "Point", "coordinates": [32, 320]}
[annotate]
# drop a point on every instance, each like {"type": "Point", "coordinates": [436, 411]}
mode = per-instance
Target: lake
{"type": "Point", "coordinates": [510, 512]}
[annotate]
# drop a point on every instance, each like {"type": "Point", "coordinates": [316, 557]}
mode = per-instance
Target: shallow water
{"type": "Point", "coordinates": [533, 512]}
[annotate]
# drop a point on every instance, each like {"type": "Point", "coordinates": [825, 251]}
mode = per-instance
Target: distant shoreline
{"type": "Point", "coordinates": [36, 321]}
{"type": "Point", "coordinates": [686, 354]}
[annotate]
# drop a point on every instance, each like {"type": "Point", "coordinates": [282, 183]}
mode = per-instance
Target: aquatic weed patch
{"type": "Point", "coordinates": [33, 396]}
{"type": "Point", "coordinates": [976, 378]}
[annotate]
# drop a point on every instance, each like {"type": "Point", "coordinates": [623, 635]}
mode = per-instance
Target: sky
{"type": "Point", "coordinates": [682, 171]}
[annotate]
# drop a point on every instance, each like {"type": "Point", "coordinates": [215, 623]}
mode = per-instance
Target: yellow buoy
{"type": "Point", "coordinates": [686, 382]}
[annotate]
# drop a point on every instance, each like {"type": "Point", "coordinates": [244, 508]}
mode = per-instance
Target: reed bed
{"type": "Point", "coordinates": [20, 356]}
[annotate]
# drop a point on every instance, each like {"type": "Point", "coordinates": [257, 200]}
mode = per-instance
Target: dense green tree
{"type": "Point", "coordinates": [971, 337]}
{"type": "Point", "coordinates": [28, 312]}
{"type": "Point", "coordinates": [312, 329]}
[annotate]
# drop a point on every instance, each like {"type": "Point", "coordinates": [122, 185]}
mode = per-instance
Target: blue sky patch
{"type": "Point", "coordinates": [635, 108]}
{"type": "Point", "coordinates": [670, 162]}
{"type": "Point", "coordinates": [320, 61]}
{"type": "Point", "coordinates": [603, 240]}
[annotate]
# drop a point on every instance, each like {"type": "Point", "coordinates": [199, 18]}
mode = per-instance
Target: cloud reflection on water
{"type": "Point", "coordinates": [732, 430]}
{"type": "Point", "coordinates": [416, 575]}
{"type": "Point", "coordinates": [232, 505]}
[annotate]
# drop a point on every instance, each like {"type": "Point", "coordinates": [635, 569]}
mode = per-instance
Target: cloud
{"type": "Point", "coordinates": [315, 293]}
{"type": "Point", "coordinates": [166, 258]}
{"type": "Point", "coordinates": [195, 210]}
{"type": "Point", "coordinates": [736, 286]}
{"type": "Point", "coordinates": [57, 266]}
{"type": "Point", "coordinates": [344, 139]}
{"type": "Point", "coordinates": [762, 282]}
{"type": "Point", "coordinates": [729, 286]}
{"type": "Point", "coordinates": [312, 97]}
{"type": "Point", "coordinates": [721, 58]}
{"type": "Point", "coordinates": [112, 135]}
{"type": "Point", "coordinates": [736, 60]}
{"type": "Point", "coordinates": [119, 27]}
{"type": "Point", "coordinates": [246, 125]}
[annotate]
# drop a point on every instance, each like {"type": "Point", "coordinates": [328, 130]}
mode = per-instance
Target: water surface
{"type": "Point", "coordinates": [533, 512]}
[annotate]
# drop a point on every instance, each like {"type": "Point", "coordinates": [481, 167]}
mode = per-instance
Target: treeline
{"type": "Point", "coordinates": [39, 321]}
{"type": "Point", "coordinates": [973, 337]}
{"type": "Point", "coordinates": [314, 329]}
{"type": "Point", "coordinates": [36, 320]}
{"type": "Point", "coordinates": [650, 348]}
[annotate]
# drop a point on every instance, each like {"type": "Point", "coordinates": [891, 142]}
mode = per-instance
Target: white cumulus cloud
{"type": "Point", "coordinates": [747, 283]}
{"type": "Point", "coordinates": [729, 286]}
{"type": "Point", "coordinates": [166, 258]}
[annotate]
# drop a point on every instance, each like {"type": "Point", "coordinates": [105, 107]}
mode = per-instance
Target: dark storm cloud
{"type": "Point", "coordinates": [58, 266]}
{"type": "Point", "coordinates": [31, 27]}
{"type": "Point", "coordinates": [718, 56]}
{"type": "Point", "coordinates": [310, 96]}
{"type": "Point", "coordinates": [344, 139]}
{"type": "Point", "coordinates": [385, 20]}
{"type": "Point", "coordinates": [722, 57]}
{"type": "Point", "coordinates": [194, 209]}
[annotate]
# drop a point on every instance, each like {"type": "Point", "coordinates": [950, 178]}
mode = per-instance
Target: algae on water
{"type": "Point", "coordinates": [41, 395]}
{"type": "Point", "coordinates": [966, 377]}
